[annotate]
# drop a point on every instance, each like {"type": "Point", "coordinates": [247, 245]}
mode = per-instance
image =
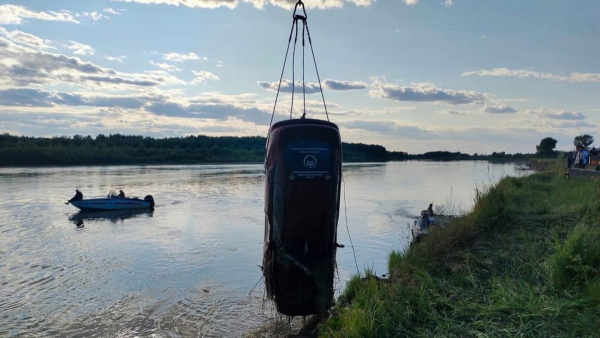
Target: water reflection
{"type": "Point", "coordinates": [113, 216]}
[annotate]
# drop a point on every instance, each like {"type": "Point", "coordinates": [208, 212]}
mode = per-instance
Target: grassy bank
{"type": "Point", "coordinates": [524, 262]}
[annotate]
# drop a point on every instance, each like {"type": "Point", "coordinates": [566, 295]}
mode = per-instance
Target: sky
{"type": "Point", "coordinates": [412, 75]}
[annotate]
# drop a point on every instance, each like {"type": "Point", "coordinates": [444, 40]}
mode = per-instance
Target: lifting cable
{"type": "Point", "coordinates": [305, 32]}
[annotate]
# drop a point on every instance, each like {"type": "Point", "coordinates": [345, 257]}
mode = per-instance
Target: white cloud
{"type": "Point", "coordinates": [524, 73]}
{"type": "Point", "coordinates": [497, 109]}
{"type": "Point", "coordinates": [27, 39]}
{"type": "Point", "coordinates": [16, 15]}
{"type": "Point", "coordinates": [556, 114]}
{"type": "Point", "coordinates": [387, 127]}
{"type": "Point", "coordinates": [176, 57]}
{"type": "Point", "coordinates": [423, 92]}
{"type": "Point", "coordinates": [30, 97]}
{"type": "Point", "coordinates": [456, 112]}
{"type": "Point", "coordinates": [259, 4]}
{"type": "Point", "coordinates": [113, 11]}
{"type": "Point", "coordinates": [364, 3]}
{"type": "Point", "coordinates": [118, 59]}
{"type": "Point", "coordinates": [344, 85]}
{"type": "Point", "coordinates": [313, 87]}
{"type": "Point", "coordinates": [165, 66]}
{"type": "Point", "coordinates": [80, 48]}
{"type": "Point", "coordinates": [411, 2]}
{"type": "Point", "coordinates": [584, 77]}
{"type": "Point", "coordinates": [447, 3]}
{"type": "Point", "coordinates": [205, 108]}
{"type": "Point", "coordinates": [22, 66]}
{"type": "Point", "coordinates": [286, 86]}
{"type": "Point", "coordinates": [219, 63]}
{"type": "Point", "coordinates": [91, 15]}
{"type": "Point", "coordinates": [202, 76]}
{"type": "Point", "coordinates": [362, 112]}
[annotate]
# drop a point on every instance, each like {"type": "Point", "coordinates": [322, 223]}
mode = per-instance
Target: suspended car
{"type": "Point", "coordinates": [303, 168]}
{"type": "Point", "coordinates": [302, 196]}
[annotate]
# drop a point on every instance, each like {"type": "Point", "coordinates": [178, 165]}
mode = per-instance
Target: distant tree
{"type": "Point", "coordinates": [546, 147]}
{"type": "Point", "coordinates": [586, 140]}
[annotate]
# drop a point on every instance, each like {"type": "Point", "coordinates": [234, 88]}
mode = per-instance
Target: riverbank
{"type": "Point", "coordinates": [525, 261]}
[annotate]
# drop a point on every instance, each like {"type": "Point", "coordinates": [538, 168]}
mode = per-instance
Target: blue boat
{"type": "Point", "coordinates": [112, 202]}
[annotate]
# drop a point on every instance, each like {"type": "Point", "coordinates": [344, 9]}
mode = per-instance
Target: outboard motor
{"type": "Point", "coordinates": [150, 199]}
{"type": "Point", "coordinates": [302, 197]}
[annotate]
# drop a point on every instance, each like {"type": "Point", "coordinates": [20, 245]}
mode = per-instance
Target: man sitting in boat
{"type": "Point", "coordinates": [121, 194]}
{"type": "Point", "coordinates": [78, 196]}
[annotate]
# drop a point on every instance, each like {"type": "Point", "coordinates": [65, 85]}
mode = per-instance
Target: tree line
{"type": "Point", "coordinates": [456, 156]}
{"type": "Point", "coordinates": [127, 149]}
{"type": "Point", "coordinates": [196, 149]}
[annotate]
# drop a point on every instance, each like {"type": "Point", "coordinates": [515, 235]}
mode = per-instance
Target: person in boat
{"type": "Point", "coordinates": [430, 210]}
{"type": "Point", "coordinates": [121, 194]}
{"type": "Point", "coordinates": [78, 196]}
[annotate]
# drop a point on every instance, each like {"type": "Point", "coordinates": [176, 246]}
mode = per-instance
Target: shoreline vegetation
{"type": "Point", "coordinates": [127, 150]}
{"type": "Point", "coordinates": [524, 262]}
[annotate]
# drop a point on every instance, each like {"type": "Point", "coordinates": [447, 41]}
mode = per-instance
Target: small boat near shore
{"type": "Point", "coordinates": [113, 202]}
{"type": "Point", "coordinates": [423, 224]}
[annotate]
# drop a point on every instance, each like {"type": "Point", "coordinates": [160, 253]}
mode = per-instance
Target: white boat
{"type": "Point", "coordinates": [114, 203]}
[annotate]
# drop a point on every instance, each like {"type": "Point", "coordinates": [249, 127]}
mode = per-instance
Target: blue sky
{"type": "Point", "coordinates": [412, 75]}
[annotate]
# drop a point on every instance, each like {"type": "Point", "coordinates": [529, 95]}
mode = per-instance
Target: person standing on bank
{"type": "Point", "coordinates": [430, 210]}
{"type": "Point", "coordinates": [577, 161]}
{"type": "Point", "coordinates": [585, 158]}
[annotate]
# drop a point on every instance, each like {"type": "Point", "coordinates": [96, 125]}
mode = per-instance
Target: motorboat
{"type": "Point", "coordinates": [422, 225]}
{"type": "Point", "coordinates": [113, 202]}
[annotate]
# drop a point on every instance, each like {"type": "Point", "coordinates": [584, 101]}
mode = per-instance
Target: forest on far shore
{"type": "Point", "coordinates": [128, 149]}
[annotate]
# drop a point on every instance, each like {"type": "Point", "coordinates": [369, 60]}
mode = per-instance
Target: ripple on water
{"type": "Point", "coordinates": [185, 269]}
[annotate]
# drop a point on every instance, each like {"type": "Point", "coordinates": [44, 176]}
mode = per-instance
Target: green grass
{"type": "Point", "coordinates": [524, 262]}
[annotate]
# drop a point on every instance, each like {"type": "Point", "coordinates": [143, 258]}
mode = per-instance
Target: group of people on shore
{"type": "Point", "coordinates": [580, 157]}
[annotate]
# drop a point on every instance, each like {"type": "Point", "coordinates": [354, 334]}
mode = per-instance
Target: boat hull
{"type": "Point", "coordinates": [112, 204]}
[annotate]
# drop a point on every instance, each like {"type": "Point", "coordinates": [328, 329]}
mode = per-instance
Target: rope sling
{"type": "Point", "coordinates": [294, 32]}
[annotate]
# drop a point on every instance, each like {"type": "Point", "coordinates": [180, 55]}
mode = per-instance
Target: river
{"type": "Point", "coordinates": [187, 268]}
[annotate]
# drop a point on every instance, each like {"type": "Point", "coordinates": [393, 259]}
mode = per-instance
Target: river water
{"type": "Point", "coordinates": [187, 268]}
